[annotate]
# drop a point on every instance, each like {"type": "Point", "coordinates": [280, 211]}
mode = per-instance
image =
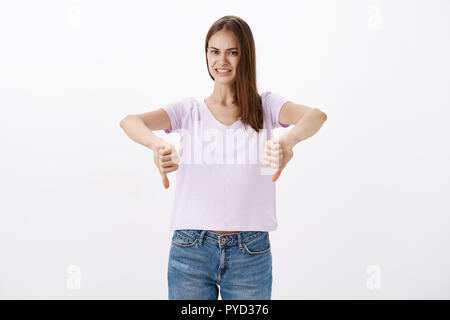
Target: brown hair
{"type": "Point", "coordinates": [246, 95]}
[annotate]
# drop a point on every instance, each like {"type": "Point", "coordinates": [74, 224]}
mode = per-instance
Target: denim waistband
{"type": "Point", "coordinates": [230, 239]}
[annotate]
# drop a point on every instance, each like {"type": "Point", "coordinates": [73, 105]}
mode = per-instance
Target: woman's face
{"type": "Point", "coordinates": [223, 53]}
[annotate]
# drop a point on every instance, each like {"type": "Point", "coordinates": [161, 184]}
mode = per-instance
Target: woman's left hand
{"type": "Point", "coordinates": [278, 152]}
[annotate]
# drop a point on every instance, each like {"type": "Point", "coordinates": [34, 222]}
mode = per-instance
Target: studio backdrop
{"type": "Point", "coordinates": [363, 210]}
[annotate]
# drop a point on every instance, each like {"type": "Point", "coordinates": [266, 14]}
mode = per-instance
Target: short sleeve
{"type": "Point", "coordinates": [273, 103]}
{"type": "Point", "coordinates": [177, 114]}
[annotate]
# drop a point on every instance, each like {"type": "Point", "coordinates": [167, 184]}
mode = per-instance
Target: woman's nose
{"type": "Point", "coordinates": [222, 57]}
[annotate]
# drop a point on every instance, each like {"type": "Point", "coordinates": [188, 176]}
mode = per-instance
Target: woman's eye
{"type": "Point", "coordinates": [233, 52]}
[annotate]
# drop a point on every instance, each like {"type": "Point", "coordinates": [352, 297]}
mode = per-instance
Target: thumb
{"type": "Point", "coordinates": [165, 180]}
{"type": "Point", "coordinates": [276, 175]}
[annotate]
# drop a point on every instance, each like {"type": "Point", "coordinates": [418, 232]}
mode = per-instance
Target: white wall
{"type": "Point", "coordinates": [371, 188]}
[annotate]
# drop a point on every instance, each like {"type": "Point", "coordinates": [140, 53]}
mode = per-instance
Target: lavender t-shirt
{"type": "Point", "coordinates": [222, 182]}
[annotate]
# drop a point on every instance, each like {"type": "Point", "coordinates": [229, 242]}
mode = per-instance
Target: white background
{"type": "Point", "coordinates": [363, 207]}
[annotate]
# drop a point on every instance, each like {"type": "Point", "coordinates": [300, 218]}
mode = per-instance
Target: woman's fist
{"type": "Point", "coordinates": [277, 153]}
{"type": "Point", "coordinates": [166, 159]}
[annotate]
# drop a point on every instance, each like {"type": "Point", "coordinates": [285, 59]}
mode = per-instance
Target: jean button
{"type": "Point", "coordinates": [223, 240]}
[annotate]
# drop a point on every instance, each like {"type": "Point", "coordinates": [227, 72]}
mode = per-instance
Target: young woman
{"type": "Point", "coordinates": [225, 198]}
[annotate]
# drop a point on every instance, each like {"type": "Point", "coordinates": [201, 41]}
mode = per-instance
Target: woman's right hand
{"type": "Point", "coordinates": [166, 159]}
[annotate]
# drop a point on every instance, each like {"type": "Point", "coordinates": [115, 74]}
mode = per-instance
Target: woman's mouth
{"type": "Point", "coordinates": [223, 72]}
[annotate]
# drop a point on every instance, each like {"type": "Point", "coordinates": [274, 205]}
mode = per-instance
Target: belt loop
{"type": "Point", "coordinates": [239, 240]}
{"type": "Point", "coordinates": [200, 240]}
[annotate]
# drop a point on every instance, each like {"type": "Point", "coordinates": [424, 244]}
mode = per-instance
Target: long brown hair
{"type": "Point", "coordinates": [246, 95]}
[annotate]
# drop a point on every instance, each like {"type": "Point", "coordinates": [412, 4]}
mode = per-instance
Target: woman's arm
{"type": "Point", "coordinates": [139, 127]}
{"type": "Point", "coordinates": [308, 121]}
{"type": "Point", "coordinates": [306, 127]}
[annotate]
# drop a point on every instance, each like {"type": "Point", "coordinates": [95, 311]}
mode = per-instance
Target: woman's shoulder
{"type": "Point", "coordinates": [267, 95]}
{"type": "Point", "coordinates": [264, 94]}
{"type": "Point", "coordinates": [270, 98]}
{"type": "Point", "coordinates": [272, 104]}
{"type": "Point", "coordinates": [266, 98]}
{"type": "Point", "coordinates": [188, 104]}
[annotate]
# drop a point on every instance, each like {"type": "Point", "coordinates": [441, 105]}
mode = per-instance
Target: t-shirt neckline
{"type": "Point", "coordinates": [234, 124]}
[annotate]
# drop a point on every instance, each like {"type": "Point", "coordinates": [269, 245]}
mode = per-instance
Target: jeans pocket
{"type": "Point", "coordinates": [181, 239]}
{"type": "Point", "coordinates": [259, 245]}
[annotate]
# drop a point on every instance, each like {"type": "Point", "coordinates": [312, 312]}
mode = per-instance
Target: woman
{"type": "Point", "coordinates": [224, 202]}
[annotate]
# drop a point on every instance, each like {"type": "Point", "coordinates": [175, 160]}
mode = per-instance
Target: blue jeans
{"type": "Point", "coordinates": [201, 261]}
